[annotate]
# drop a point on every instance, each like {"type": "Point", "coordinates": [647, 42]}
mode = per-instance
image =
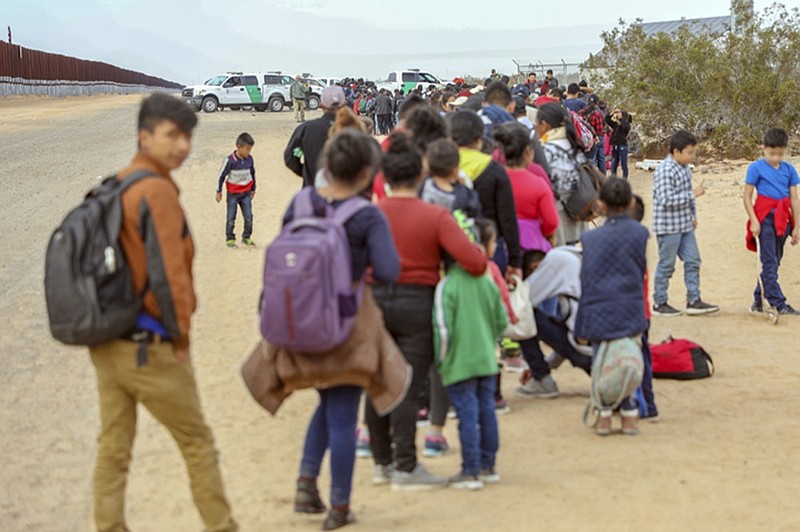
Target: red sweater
{"type": "Point", "coordinates": [783, 216]}
{"type": "Point", "coordinates": [534, 200]}
{"type": "Point", "coordinates": [420, 232]}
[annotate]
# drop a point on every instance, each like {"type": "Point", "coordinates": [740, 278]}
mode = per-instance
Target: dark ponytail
{"type": "Point", "coordinates": [348, 153]}
{"type": "Point", "coordinates": [556, 116]}
{"type": "Point", "coordinates": [514, 139]}
{"type": "Point", "coordinates": [402, 163]}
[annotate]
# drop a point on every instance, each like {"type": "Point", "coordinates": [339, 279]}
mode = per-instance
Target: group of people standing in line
{"type": "Point", "coordinates": [468, 205]}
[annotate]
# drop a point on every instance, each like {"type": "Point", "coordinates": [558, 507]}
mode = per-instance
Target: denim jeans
{"type": "Point", "coordinates": [600, 155]}
{"type": "Point", "coordinates": [384, 124]}
{"type": "Point", "coordinates": [644, 394]}
{"type": "Point", "coordinates": [683, 245]}
{"type": "Point", "coordinates": [501, 255]}
{"type": "Point", "coordinates": [333, 426]}
{"type": "Point", "coordinates": [407, 311]}
{"type": "Point", "coordinates": [473, 400]}
{"type": "Point", "coordinates": [619, 156]}
{"type": "Point", "coordinates": [556, 335]}
{"type": "Point", "coordinates": [771, 256]}
{"type": "Point", "coordinates": [235, 201]}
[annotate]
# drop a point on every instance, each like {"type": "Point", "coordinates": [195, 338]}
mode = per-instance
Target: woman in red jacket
{"type": "Point", "coordinates": [422, 232]}
{"type": "Point", "coordinates": [534, 201]}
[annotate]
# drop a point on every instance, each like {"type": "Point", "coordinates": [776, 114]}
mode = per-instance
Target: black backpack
{"type": "Point", "coordinates": [87, 282]}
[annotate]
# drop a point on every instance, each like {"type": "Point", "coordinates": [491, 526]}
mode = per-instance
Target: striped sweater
{"type": "Point", "coordinates": [239, 173]}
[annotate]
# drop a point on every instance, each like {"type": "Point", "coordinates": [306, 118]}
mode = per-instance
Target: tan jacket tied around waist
{"type": "Point", "coordinates": [369, 359]}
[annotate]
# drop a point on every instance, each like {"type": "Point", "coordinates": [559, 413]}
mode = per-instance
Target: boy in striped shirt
{"type": "Point", "coordinates": [239, 170]}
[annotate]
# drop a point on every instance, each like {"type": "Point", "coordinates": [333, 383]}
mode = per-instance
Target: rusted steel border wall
{"type": "Point", "coordinates": [25, 71]}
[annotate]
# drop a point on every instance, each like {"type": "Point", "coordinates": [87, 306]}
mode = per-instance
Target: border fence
{"type": "Point", "coordinates": [26, 71]}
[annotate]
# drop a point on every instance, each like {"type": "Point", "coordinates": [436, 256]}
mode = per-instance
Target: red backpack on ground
{"type": "Point", "coordinates": [681, 359]}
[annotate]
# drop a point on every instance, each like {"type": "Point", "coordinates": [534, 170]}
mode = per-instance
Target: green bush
{"type": "Point", "coordinates": [726, 89]}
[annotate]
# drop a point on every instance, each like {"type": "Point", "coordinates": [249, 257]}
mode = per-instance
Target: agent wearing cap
{"type": "Point", "coordinates": [305, 147]}
{"type": "Point", "coordinates": [298, 91]}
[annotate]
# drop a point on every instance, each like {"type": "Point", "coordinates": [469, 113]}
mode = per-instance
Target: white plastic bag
{"type": "Point", "coordinates": [525, 328]}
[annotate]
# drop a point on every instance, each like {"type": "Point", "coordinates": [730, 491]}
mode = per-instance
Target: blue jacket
{"type": "Point", "coordinates": [612, 280]}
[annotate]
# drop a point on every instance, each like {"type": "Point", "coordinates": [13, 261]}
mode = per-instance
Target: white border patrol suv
{"type": "Point", "coordinates": [235, 90]}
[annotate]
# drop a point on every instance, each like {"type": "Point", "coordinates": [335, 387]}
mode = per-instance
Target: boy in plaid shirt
{"type": "Point", "coordinates": [674, 223]}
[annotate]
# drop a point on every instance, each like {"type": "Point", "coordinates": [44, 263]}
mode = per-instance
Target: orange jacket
{"type": "Point", "coordinates": [159, 248]}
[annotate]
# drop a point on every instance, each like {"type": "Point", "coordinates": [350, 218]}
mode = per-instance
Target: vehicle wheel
{"type": "Point", "coordinates": [210, 104]}
{"type": "Point", "coordinates": [261, 108]}
{"type": "Point", "coordinates": [313, 103]}
{"type": "Point", "coordinates": [235, 108]}
{"type": "Point", "coordinates": [276, 104]}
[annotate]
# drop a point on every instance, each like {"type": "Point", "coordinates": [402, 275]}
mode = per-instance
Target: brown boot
{"type": "Point", "coordinates": [603, 425]}
{"type": "Point", "coordinates": [306, 499]}
{"type": "Point", "coordinates": [630, 422]}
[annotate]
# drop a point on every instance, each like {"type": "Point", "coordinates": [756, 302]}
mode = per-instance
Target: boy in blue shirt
{"type": "Point", "coordinates": [771, 220]}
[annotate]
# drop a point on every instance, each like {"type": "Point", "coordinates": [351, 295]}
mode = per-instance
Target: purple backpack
{"type": "Point", "coordinates": [309, 304]}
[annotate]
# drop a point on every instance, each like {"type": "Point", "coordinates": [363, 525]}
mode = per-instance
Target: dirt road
{"type": "Point", "coordinates": [724, 456]}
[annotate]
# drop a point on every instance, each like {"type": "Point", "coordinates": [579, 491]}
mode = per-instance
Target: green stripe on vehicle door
{"type": "Point", "coordinates": [254, 92]}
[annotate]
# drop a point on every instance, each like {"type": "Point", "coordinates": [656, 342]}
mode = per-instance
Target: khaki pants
{"type": "Point", "coordinates": [299, 108]}
{"type": "Point", "coordinates": [167, 388]}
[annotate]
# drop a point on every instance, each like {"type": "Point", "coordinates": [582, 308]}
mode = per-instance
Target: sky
{"type": "Point", "coordinates": [190, 41]}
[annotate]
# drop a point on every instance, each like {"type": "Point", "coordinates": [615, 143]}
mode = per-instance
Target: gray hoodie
{"type": "Point", "coordinates": [559, 275]}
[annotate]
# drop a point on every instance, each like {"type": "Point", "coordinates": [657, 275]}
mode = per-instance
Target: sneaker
{"type": "Point", "coordinates": [489, 476]}
{"type": "Point", "coordinates": [452, 414]}
{"type": "Point", "coordinates": [543, 389]}
{"type": "Point", "coordinates": [383, 474]}
{"type": "Point", "coordinates": [757, 307]}
{"type": "Point", "coordinates": [554, 360]}
{"type": "Point", "coordinates": [363, 449]}
{"type": "Point", "coordinates": [666, 310]}
{"type": "Point", "coordinates": [417, 480]}
{"type": "Point", "coordinates": [230, 243]}
{"type": "Point", "coordinates": [788, 311]}
{"type": "Point", "coordinates": [338, 518]}
{"type": "Point", "coordinates": [501, 406]}
{"type": "Point", "coordinates": [509, 349]}
{"type": "Point", "coordinates": [465, 482]}
{"type": "Point", "coordinates": [651, 418]}
{"type": "Point", "coordinates": [515, 364]}
{"type": "Point", "coordinates": [248, 242]}
{"type": "Point", "coordinates": [699, 308]}
{"type": "Point", "coordinates": [435, 445]}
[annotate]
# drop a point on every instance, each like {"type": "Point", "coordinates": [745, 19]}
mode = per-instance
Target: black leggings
{"type": "Point", "coordinates": [407, 313]}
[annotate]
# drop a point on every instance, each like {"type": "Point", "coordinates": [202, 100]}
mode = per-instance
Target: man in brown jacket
{"type": "Point", "coordinates": [151, 363]}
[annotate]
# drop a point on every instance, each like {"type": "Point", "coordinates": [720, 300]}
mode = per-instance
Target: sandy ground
{"type": "Point", "coordinates": [724, 457]}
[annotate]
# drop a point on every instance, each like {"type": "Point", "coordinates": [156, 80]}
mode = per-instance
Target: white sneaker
{"type": "Point", "coordinates": [543, 389]}
{"type": "Point", "coordinates": [383, 474]}
{"type": "Point", "coordinates": [466, 482]}
{"type": "Point", "coordinates": [417, 480]}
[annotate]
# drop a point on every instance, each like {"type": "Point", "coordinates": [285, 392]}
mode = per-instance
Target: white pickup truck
{"type": "Point", "coordinates": [235, 90]}
{"type": "Point", "coordinates": [408, 80]}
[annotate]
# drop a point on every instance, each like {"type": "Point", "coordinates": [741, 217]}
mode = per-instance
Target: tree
{"type": "Point", "coordinates": [727, 89]}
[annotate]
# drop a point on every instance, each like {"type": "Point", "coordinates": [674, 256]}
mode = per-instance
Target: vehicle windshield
{"type": "Point", "coordinates": [217, 81]}
{"type": "Point", "coordinates": [428, 78]}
